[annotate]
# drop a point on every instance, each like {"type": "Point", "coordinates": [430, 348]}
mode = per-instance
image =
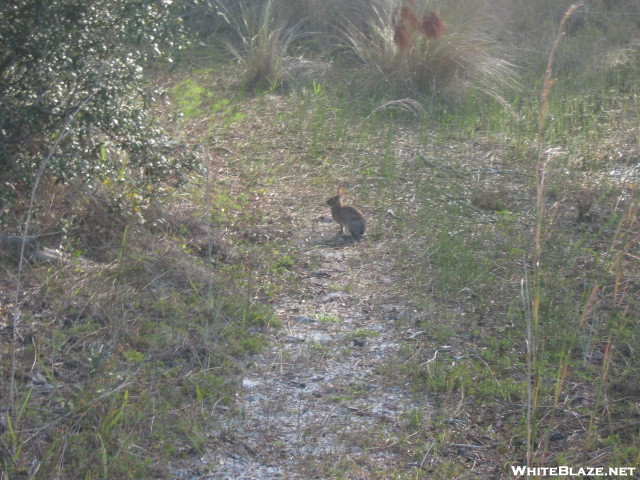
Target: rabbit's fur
{"type": "Point", "coordinates": [349, 218]}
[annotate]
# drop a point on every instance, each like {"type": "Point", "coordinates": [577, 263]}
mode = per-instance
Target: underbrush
{"type": "Point", "coordinates": [123, 364]}
{"type": "Point", "coordinates": [533, 287]}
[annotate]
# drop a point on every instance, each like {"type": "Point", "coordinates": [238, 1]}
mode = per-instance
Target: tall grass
{"type": "Point", "coordinates": [542, 222]}
{"type": "Point", "coordinates": [263, 39]}
{"type": "Point", "coordinates": [590, 331]}
{"type": "Point", "coordinates": [457, 51]}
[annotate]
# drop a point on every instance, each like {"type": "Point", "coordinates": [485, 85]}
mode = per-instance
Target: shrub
{"type": "Point", "coordinates": [72, 92]}
{"type": "Point", "coordinates": [429, 47]}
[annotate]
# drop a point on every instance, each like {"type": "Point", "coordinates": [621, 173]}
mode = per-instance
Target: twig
{"type": "Point", "coordinates": [43, 165]}
{"type": "Point", "coordinates": [541, 166]}
{"type": "Point", "coordinates": [466, 445]}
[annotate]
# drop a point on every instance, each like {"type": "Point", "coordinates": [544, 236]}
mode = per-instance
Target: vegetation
{"type": "Point", "coordinates": [73, 95]}
{"type": "Point", "coordinates": [494, 155]}
{"type": "Point", "coordinates": [410, 50]}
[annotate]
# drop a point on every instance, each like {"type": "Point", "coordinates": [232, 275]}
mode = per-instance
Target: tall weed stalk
{"type": "Point", "coordinates": [541, 231]}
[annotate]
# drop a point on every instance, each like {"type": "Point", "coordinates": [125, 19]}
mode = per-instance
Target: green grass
{"type": "Point", "coordinates": [139, 352]}
{"type": "Point", "coordinates": [165, 351]}
{"type": "Point", "coordinates": [188, 97]}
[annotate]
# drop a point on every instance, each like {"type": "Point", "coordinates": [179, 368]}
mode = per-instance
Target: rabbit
{"type": "Point", "coordinates": [348, 217]}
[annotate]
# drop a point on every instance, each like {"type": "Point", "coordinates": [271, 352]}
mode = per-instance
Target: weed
{"type": "Point", "coordinates": [327, 318]}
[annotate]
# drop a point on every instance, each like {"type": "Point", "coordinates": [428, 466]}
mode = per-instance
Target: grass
{"type": "Point", "coordinates": [135, 358]}
{"type": "Point", "coordinates": [419, 65]}
{"type": "Point", "coordinates": [264, 41]}
{"type": "Point", "coordinates": [139, 351]}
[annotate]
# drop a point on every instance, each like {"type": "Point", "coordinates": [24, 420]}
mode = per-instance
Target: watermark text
{"type": "Point", "coordinates": [564, 471]}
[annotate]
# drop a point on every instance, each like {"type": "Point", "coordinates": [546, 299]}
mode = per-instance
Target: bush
{"type": "Point", "coordinates": [429, 47]}
{"type": "Point", "coordinates": [72, 92]}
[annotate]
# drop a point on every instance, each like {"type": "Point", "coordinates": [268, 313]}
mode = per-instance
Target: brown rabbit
{"type": "Point", "coordinates": [348, 217]}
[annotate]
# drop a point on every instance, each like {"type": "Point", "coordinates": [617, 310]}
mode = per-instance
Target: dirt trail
{"type": "Point", "coordinates": [314, 403]}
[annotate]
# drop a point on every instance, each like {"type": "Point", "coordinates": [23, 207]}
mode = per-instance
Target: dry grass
{"type": "Point", "coordinates": [129, 346]}
{"type": "Point", "coordinates": [264, 40]}
{"type": "Point", "coordinates": [430, 48]}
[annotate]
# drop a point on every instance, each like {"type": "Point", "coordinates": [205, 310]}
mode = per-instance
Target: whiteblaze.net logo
{"type": "Point", "coordinates": [560, 471]}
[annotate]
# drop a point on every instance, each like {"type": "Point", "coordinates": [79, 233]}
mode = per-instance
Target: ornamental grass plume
{"type": "Point", "coordinates": [401, 37]}
{"type": "Point", "coordinates": [432, 26]}
{"type": "Point", "coordinates": [407, 26]}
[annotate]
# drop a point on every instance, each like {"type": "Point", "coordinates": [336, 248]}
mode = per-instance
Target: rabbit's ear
{"type": "Point", "coordinates": [340, 191]}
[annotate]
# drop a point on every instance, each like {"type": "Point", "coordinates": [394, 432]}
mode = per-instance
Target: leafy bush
{"type": "Point", "coordinates": [72, 92]}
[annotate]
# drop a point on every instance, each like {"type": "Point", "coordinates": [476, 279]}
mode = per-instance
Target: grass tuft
{"type": "Point", "coordinates": [263, 42]}
{"type": "Point", "coordinates": [429, 48]}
